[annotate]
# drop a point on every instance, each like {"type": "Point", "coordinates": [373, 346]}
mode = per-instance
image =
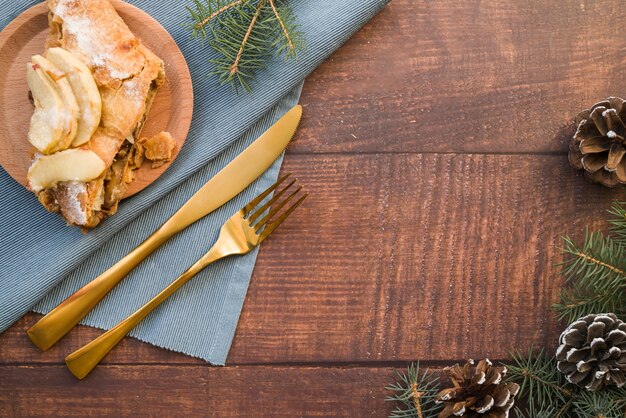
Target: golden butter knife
{"type": "Point", "coordinates": [225, 185]}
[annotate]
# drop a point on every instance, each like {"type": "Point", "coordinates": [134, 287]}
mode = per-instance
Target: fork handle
{"type": "Point", "coordinates": [83, 360]}
{"type": "Point", "coordinates": [59, 321]}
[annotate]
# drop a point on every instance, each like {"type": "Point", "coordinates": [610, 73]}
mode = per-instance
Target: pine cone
{"type": "Point", "coordinates": [598, 147]}
{"type": "Point", "coordinates": [592, 352]}
{"type": "Point", "coordinates": [477, 392]}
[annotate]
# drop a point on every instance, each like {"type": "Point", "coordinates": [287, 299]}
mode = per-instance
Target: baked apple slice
{"type": "Point", "coordinates": [85, 90]}
{"type": "Point", "coordinates": [47, 124]}
{"type": "Point", "coordinates": [74, 164]}
{"type": "Point", "coordinates": [64, 89]}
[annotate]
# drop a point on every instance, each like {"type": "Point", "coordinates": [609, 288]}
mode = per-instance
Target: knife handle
{"type": "Point", "coordinates": [59, 321]}
{"type": "Point", "coordinates": [83, 360]}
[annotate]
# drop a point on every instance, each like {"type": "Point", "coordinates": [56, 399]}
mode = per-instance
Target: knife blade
{"type": "Point", "coordinates": [240, 172]}
{"type": "Point", "coordinates": [226, 184]}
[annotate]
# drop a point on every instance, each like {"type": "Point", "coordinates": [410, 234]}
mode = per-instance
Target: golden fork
{"type": "Point", "coordinates": [245, 230]}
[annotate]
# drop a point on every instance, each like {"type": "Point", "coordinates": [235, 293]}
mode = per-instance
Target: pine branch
{"type": "Point", "coordinates": [550, 395]}
{"type": "Point", "coordinates": [202, 14]}
{"type": "Point", "coordinates": [244, 34]}
{"type": "Point", "coordinates": [216, 13]}
{"type": "Point", "coordinates": [564, 410]}
{"type": "Point", "coordinates": [600, 260]}
{"type": "Point", "coordinates": [533, 412]}
{"type": "Point", "coordinates": [540, 381]}
{"type": "Point", "coordinates": [597, 277]}
{"type": "Point", "coordinates": [415, 392]}
{"type": "Point", "coordinates": [234, 68]}
{"type": "Point", "coordinates": [618, 222]}
{"type": "Point", "coordinates": [602, 404]}
{"type": "Point", "coordinates": [282, 25]}
{"type": "Point", "coordinates": [581, 301]}
{"type": "Point", "coordinates": [289, 40]}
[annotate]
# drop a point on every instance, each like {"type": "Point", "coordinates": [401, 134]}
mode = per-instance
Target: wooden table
{"type": "Point", "coordinates": [434, 146]}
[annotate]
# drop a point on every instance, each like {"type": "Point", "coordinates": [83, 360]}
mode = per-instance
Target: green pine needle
{"type": "Point", "coordinates": [618, 222]}
{"type": "Point", "coordinates": [578, 302]}
{"type": "Point", "coordinates": [605, 404]}
{"type": "Point", "coordinates": [539, 380]}
{"type": "Point", "coordinates": [533, 412]}
{"type": "Point", "coordinates": [415, 393]}
{"type": "Point", "coordinates": [600, 261]}
{"type": "Point", "coordinates": [244, 34]}
{"type": "Point", "coordinates": [548, 394]}
{"type": "Point", "coordinates": [596, 274]}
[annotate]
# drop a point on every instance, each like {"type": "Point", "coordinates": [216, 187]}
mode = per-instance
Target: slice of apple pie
{"type": "Point", "coordinates": [92, 88]}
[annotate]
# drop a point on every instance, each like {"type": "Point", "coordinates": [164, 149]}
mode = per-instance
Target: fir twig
{"type": "Point", "coordinates": [533, 412]}
{"type": "Point", "coordinates": [417, 395]}
{"type": "Point", "coordinates": [596, 273]}
{"type": "Point", "coordinates": [282, 25]}
{"type": "Point", "coordinates": [600, 259]}
{"type": "Point", "coordinates": [561, 413]}
{"type": "Point", "coordinates": [234, 68]}
{"type": "Point", "coordinates": [215, 14]}
{"type": "Point", "coordinates": [581, 301]}
{"type": "Point", "coordinates": [618, 222]}
{"type": "Point", "coordinates": [602, 404]}
{"type": "Point", "coordinates": [539, 379]}
{"type": "Point", "coordinates": [415, 392]}
{"type": "Point", "coordinates": [244, 34]}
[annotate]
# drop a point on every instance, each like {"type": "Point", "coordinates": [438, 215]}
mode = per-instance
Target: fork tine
{"type": "Point", "coordinates": [259, 198]}
{"type": "Point", "coordinates": [254, 216]}
{"type": "Point", "coordinates": [273, 225]}
{"type": "Point", "coordinates": [275, 210]}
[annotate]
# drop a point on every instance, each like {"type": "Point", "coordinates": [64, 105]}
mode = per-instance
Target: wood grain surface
{"type": "Point", "coordinates": [433, 145]}
{"type": "Point", "coordinates": [496, 76]}
{"type": "Point", "coordinates": [25, 36]}
{"type": "Point", "coordinates": [164, 391]}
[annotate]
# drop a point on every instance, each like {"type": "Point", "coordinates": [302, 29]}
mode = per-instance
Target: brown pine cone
{"type": "Point", "coordinates": [598, 147]}
{"type": "Point", "coordinates": [592, 352]}
{"type": "Point", "coordinates": [478, 392]}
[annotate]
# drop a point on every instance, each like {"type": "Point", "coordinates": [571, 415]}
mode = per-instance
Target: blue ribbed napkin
{"type": "Point", "coordinates": [42, 261]}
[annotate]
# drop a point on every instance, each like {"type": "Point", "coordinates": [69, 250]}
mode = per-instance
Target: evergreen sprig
{"type": "Point", "coordinates": [415, 392]}
{"type": "Point", "coordinates": [618, 222]}
{"type": "Point", "coordinates": [244, 34]}
{"type": "Point", "coordinates": [548, 394]}
{"type": "Point", "coordinates": [539, 380]}
{"type": "Point", "coordinates": [606, 404]}
{"type": "Point", "coordinates": [595, 272]}
{"type": "Point", "coordinates": [532, 412]}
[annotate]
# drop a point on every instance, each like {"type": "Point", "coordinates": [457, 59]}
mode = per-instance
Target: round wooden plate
{"type": "Point", "coordinates": [25, 36]}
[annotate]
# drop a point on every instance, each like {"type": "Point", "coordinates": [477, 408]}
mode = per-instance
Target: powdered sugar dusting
{"type": "Point", "coordinates": [82, 28]}
{"type": "Point", "coordinates": [135, 92]}
{"type": "Point", "coordinates": [103, 60]}
{"type": "Point", "coordinates": [72, 208]}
